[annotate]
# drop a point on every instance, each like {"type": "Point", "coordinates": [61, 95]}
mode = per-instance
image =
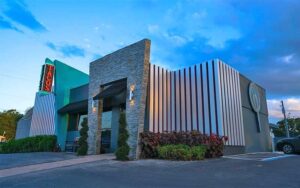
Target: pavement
{"type": "Point", "coordinates": [22, 159]}
{"type": "Point", "coordinates": [51, 165]}
{"type": "Point", "coordinates": [221, 172]}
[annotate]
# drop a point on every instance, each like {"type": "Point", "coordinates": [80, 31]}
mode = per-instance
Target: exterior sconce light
{"type": "Point", "coordinates": [131, 94]}
{"type": "Point", "coordinates": [94, 109]}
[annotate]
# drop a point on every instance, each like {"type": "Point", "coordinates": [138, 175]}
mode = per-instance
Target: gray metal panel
{"type": "Point", "coordinates": [241, 112]}
{"type": "Point", "coordinates": [194, 101]}
{"type": "Point", "coordinates": [212, 98]}
{"type": "Point", "coordinates": [23, 125]}
{"type": "Point", "coordinates": [205, 95]}
{"type": "Point", "coordinates": [200, 98]}
{"type": "Point", "coordinates": [43, 115]}
{"type": "Point", "coordinates": [156, 123]}
{"type": "Point", "coordinates": [151, 110]}
{"type": "Point", "coordinates": [231, 105]}
{"type": "Point", "coordinates": [232, 113]}
{"type": "Point", "coordinates": [218, 97]}
{"type": "Point", "coordinates": [160, 111]}
{"type": "Point", "coordinates": [177, 102]}
{"type": "Point", "coordinates": [205, 98]}
{"type": "Point", "coordinates": [182, 100]}
{"type": "Point", "coordinates": [172, 103]}
{"type": "Point", "coordinates": [187, 100]}
{"type": "Point", "coordinates": [169, 98]}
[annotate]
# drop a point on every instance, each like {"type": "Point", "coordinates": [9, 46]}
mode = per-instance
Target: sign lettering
{"type": "Point", "coordinates": [48, 78]}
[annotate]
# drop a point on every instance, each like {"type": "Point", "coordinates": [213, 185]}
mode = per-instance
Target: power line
{"type": "Point", "coordinates": [16, 77]}
{"type": "Point", "coordinates": [12, 95]}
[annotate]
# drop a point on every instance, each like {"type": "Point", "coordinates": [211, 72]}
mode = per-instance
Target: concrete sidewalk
{"type": "Point", "coordinates": [52, 165]}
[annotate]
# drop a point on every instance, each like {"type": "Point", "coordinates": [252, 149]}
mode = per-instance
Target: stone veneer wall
{"type": "Point", "coordinates": [131, 62]}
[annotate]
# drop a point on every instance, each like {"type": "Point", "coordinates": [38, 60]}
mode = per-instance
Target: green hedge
{"type": "Point", "coordinates": [181, 152]}
{"type": "Point", "coordinates": [41, 143]}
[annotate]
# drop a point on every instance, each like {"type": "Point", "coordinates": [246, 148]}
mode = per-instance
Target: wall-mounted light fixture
{"type": "Point", "coordinates": [94, 109]}
{"type": "Point", "coordinates": [131, 93]}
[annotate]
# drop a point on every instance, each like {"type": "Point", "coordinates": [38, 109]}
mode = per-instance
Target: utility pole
{"type": "Point", "coordinates": [285, 120]}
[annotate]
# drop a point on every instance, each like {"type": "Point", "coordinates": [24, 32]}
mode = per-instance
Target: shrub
{"type": "Point", "coordinates": [123, 148]}
{"type": "Point", "coordinates": [175, 152]}
{"type": "Point", "coordinates": [181, 152]}
{"type": "Point", "coordinates": [82, 142]}
{"type": "Point", "coordinates": [40, 143]}
{"type": "Point", "coordinates": [150, 141]}
{"type": "Point", "coordinates": [198, 152]}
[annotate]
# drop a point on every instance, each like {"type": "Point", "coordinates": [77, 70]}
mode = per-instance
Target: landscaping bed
{"type": "Point", "coordinates": [181, 145]}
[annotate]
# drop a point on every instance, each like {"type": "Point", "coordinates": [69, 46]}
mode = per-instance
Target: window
{"type": "Point", "coordinates": [75, 121]}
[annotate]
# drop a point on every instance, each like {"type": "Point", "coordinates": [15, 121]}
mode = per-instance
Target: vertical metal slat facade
{"type": "Point", "coordinates": [43, 117]}
{"type": "Point", "coordinates": [204, 97]}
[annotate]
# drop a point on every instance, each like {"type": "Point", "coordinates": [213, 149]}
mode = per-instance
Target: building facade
{"type": "Point", "coordinates": [210, 97]}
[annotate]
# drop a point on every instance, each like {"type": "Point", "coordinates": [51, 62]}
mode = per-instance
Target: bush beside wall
{"type": "Point", "coordinates": [151, 141]}
{"type": "Point", "coordinates": [82, 142]}
{"type": "Point", "coordinates": [123, 148]}
{"type": "Point", "coordinates": [42, 143]}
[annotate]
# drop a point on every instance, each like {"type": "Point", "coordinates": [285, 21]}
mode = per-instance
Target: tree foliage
{"type": "Point", "coordinates": [123, 148]}
{"type": "Point", "coordinates": [294, 127]}
{"type": "Point", "coordinates": [8, 123]}
{"type": "Point", "coordinates": [83, 145]}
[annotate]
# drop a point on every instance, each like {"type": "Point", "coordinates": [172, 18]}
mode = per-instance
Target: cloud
{"type": "Point", "coordinates": [287, 58]}
{"type": "Point", "coordinates": [292, 107]}
{"type": "Point", "coordinates": [19, 13]}
{"type": "Point", "coordinates": [67, 50]}
{"type": "Point", "coordinates": [153, 29]}
{"type": "Point", "coordinates": [4, 24]}
{"type": "Point", "coordinates": [96, 56]}
{"type": "Point", "coordinates": [259, 38]}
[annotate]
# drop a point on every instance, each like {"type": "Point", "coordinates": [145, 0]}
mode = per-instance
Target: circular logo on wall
{"type": "Point", "coordinates": [255, 101]}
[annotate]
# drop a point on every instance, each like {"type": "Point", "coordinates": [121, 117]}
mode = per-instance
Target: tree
{"type": "Point", "coordinates": [8, 123]}
{"type": "Point", "coordinates": [83, 145]}
{"type": "Point", "coordinates": [294, 127]}
{"type": "Point", "coordinates": [123, 148]}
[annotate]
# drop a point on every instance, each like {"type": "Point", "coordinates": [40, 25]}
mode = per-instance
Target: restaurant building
{"type": "Point", "coordinates": [210, 97]}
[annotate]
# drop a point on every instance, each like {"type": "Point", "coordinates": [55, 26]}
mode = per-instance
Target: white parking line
{"type": "Point", "coordinates": [257, 156]}
{"type": "Point", "coordinates": [278, 157]}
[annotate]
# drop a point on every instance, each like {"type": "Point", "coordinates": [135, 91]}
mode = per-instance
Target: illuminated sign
{"type": "Point", "coordinates": [47, 78]}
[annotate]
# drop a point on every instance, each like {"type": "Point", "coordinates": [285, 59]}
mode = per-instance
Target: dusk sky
{"type": "Point", "coordinates": [261, 39]}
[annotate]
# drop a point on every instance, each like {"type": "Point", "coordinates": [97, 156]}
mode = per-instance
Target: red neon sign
{"type": "Point", "coordinates": [48, 78]}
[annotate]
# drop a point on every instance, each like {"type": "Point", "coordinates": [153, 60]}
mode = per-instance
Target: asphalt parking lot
{"type": "Point", "coordinates": [22, 159]}
{"type": "Point", "coordinates": [222, 172]}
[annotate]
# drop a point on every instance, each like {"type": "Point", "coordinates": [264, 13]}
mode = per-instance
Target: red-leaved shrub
{"type": "Point", "coordinates": [150, 141]}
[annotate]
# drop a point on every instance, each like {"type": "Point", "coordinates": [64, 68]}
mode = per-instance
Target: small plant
{"type": "Point", "coordinates": [181, 152]}
{"type": "Point", "coordinates": [123, 148]}
{"type": "Point", "coordinates": [198, 152]}
{"type": "Point", "coordinates": [83, 145]}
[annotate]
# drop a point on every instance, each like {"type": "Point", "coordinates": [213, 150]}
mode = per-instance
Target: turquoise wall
{"type": "Point", "coordinates": [66, 78]}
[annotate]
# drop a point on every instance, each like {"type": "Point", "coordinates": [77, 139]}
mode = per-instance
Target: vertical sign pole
{"type": "Point", "coordinates": [285, 120]}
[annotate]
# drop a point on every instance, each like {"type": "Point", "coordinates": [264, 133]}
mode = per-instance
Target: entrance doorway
{"type": "Point", "coordinates": [113, 96]}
